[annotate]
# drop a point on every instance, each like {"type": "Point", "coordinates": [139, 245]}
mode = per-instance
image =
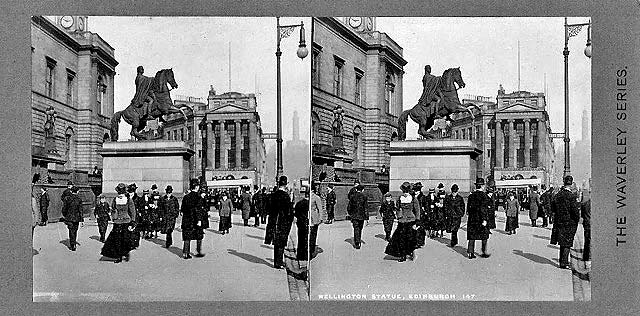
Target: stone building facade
{"type": "Point", "coordinates": [356, 78]}
{"type": "Point", "coordinates": [72, 97]}
{"type": "Point", "coordinates": [232, 146]}
{"type": "Point", "coordinates": [513, 133]}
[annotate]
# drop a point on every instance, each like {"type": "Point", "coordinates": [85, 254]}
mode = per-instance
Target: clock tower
{"type": "Point", "coordinates": [71, 23]}
{"type": "Point", "coordinates": [361, 24]}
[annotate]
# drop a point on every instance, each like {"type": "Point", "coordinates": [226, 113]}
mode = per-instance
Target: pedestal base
{"type": "Point", "coordinates": [432, 162]}
{"type": "Point", "coordinates": [145, 163]}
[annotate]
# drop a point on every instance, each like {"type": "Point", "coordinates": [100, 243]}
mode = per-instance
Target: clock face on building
{"type": "Point", "coordinates": [355, 21]}
{"type": "Point", "coordinates": [66, 21]}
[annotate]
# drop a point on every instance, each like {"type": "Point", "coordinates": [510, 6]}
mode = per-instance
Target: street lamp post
{"type": "Point", "coordinates": [283, 32]}
{"type": "Point", "coordinates": [571, 30]}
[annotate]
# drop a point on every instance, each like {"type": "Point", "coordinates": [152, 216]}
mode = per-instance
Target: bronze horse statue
{"type": "Point", "coordinates": [161, 104]}
{"type": "Point", "coordinates": [425, 113]}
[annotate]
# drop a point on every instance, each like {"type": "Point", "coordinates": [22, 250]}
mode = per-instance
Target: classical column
{"type": "Point", "coordinates": [223, 149]}
{"type": "Point", "coordinates": [238, 143]}
{"type": "Point", "coordinates": [512, 144]}
{"type": "Point", "coordinates": [499, 142]}
{"type": "Point", "coordinates": [542, 144]}
{"type": "Point", "coordinates": [252, 143]}
{"type": "Point", "coordinates": [527, 144]}
{"type": "Point", "coordinates": [212, 145]}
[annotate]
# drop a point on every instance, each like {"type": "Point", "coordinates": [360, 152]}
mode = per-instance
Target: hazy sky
{"type": "Point", "coordinates": [486, 50]}
{"type": "Point", "coordinates": [197, 48]}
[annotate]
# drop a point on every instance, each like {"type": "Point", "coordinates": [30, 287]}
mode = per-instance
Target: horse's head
{"type": "Point", "coordinates": [170, 79]}
{"type": "Point", "coordinates": [456, 76]}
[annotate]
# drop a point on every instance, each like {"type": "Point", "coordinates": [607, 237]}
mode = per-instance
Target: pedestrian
{"type": "Point", "coordinates": [263, 206]}
{"type": "Point", "coordinates": [581, 254]}
{"type": "Point", "coordinates": [534, 204]}
{"type": "Point", "coordinates": [429, 221]}
{"type": "Point", "coordinates": [123, 211]}
{"type": "Point", "coordinates": [403, 241]}
{"type": "Point", "coordinates": [545, 202]}
{"type": "Point", "coordinates": [226, 207]}
{"type": "Point", "coordinates": [422, 227]}
{"type": "Point", "coordinates": [144, 208]}
{"type": "Point", "coordinates": [170, 211]}
{"type": "Point", "coordinates": [101, 211]}
{"type": "Point", "coordinates": [493, 206]}
{"type": "Point", "coordinates": [478, 215]}
{"type": "Point", "coordinates": [512, 209]}
{"type": "Point", "coordinates": [136, 219]}
{"type": "Point", "coordinates": [191, 221]}
{"type": "Point", "coordinates": [283, 210]}
{"type": "Point", "coordinates": [441, 215]}
{"type": "Point", "coordinates": [331, 203]}
{"type": "Point", "coordinates": [35, 208]}
{"type": "Point", "coordinates": [388, 211]}
{"type": "Point", "coordinates": [357, 211]}
{"type": "Point", "coordinates": [273, 218]}
{"type": "Point", "coordinates": [67, 192]}
{"type": "Point", "coordinates": [352, 191]}
{"type": "Point", "coordinates": [72, 215]}
{"type": "Point", "coordinates": [256, 202]}
{"type": "Point", "coordinates": [301, 213]}
{"type": "Point", "coordinates": [44, 206]}
{"type": "Point", "coordinates": [565, 223]}
{"type": "Point", "coordinates": [454, 206]}
{"type": "Point", "coordinates": [245, 199]}
{"type": "Point", "coordinates": [155, 216]}
{"type": "Point", "coordinates": [315, 218]}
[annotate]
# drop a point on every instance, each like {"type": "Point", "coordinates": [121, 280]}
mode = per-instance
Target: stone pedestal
{"type": "Point", "coordinates": [162, 162]}
{"type": "Point", "coordinates": [431, 162]}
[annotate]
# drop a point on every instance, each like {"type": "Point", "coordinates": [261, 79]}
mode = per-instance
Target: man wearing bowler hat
{"type": "Point", "coordinates": [72, 213]}
{"type": "Point", "coordinates": [478, 217]}
{"type": "Point", "coordinates": [566, 210]}
{"type": "Point", "coordinates": [358, 213]}
{"type": "Point", "coordinates": [283, 209]}
{"type": "Point", "coordinates": [454, 205]}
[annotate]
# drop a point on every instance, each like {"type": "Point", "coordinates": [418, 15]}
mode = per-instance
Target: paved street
{"type": "Point", "coordinates": [237, 266]}
{"type": "Point", "coordinates": [522, 267]}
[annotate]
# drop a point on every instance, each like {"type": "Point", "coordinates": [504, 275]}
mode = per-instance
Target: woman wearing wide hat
{"type": "Point", "coordinates": [119, 242]}
{"type": "Point", "coordinates": [403, 241]}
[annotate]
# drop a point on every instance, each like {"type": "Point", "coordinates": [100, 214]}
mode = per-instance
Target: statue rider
{"type": "Point", "coordinates": [429, 99]}
{"type": "Point", "coordinates": [144, 97]}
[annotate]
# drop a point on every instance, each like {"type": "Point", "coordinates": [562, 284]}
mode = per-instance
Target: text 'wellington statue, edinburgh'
{"type": "Point", "coordinates": [151, 101]}
{"type": "Point", "coordinates": [439, 99]}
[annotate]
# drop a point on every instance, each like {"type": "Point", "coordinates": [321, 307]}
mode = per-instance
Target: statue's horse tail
{"type": "Point", "coordinates": [115, 121]}
{"type": "Point", "coordinates": [402, 125]}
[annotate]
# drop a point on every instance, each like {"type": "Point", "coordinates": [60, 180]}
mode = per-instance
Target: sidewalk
{"type": "Point", "coordinates": [237, 267]}
{"type": "Point", "coordinates": [522, 267]}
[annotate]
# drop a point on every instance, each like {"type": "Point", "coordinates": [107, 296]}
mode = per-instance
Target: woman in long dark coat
{"type": "Point", "coordinates": [429, 204]}
{"type": "Point", "coordinates": [403, 241]}
{"type": "Point", "coordinates": [245, 200]}
{"type": "Point", "coordinates": [120, 242]}
{"type": "Point", "coordinates": [224, 211]}
{"type": "Point", "coordinates": [512, 209]}
{"type": "Point", "coordinates": [191, 226]}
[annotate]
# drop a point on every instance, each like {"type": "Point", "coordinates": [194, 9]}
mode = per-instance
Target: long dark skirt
{"type": "Point", "coordinates": [512, 223]}
{"type": "Point", "coordinates": [387, 223]}
{"type": "Point", "coordinates": [119, 242]}
{"type": "Point", "coordinates": [225, 223]}
{"type": "Point", "coordinates": [403, 241]}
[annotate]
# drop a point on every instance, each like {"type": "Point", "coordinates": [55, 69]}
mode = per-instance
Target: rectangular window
{"type": "Point", "coordinates": [70, 77]}
{"type": "Point", "coordinates": [200, 153]}
{"type": "Point", "coordinates": [358, 88]}
{"type": "Point", "coordinates": [470, 133]}
{"type": "Point", "coordinates": [315, 69]}
{"type": "Point", "coordinates": [337, 76]}
{"type": "Point", "coordinates": [50, 77]}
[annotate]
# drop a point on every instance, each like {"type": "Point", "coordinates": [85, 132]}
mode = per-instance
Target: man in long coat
{"type": "Point", "coordinates": [283, 209]}
{"type": "Point", "coordinates": [478, 216]}
{"type": "Point", "coordinates": [245, 202]}
{"type": "Point", "coordinates": [135, 235]}
{"type": "Point", "coordinates": [358, 213]}
{"type": "Point", "coordinates": [454, 206]}
{"type": "Point", "coordinates": [44, 207]}
{"type": "Point", "coordinates": [421, 232]}
{"type": "Point", "coordinates": [534, 203]}
{"type": "Point", "coordinates": [566, 211]}
{"type": "Point", "coordinates": [545, 204]}
{"type": "Point", "coordinates": [302, 223]}
{"type": "Point", "coordinates": [331, 203]}
{"type": "Point", "coordinates": [170, 209]}
{"type": "Point", "coordinates": [72, 213]}
{"type": "Point", "coordinates": [270, 231]}
{"type": "Point", "coordinates": [191, 223]}
{"type": "Point", "coordinates": [257, 201]}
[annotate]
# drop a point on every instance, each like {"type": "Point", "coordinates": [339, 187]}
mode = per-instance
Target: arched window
{"type": "Point", "coordinates": [69, 148]}
{"type": "Point", "coordinates": [100, 92]}
{"type": "Point", "coordinates": [358, 146]}
{"type": "Point", "coordinates": [315, 128]}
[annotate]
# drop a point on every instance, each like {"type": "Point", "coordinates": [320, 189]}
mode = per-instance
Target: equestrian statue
{"type": "Point", "coordinates": [151, 101]}
{"type": "Point", "coordinates": [438, 101]}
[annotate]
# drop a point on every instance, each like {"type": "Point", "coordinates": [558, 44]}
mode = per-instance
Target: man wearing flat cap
{"type": "Point", "coordinates": [566, 210]}
{"type": "Point", "coordinates": [478, 217]}
{"type": "Point", "coordinates": [282, 208]}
